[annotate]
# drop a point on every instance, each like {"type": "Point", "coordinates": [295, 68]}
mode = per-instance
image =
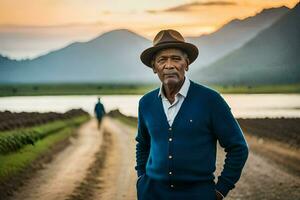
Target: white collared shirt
{"type": "Point", "coordinates": [171, 110]}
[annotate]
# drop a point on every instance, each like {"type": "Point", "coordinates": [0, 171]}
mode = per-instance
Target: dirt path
{"type": "Point", "coordinates": [59, 178]}
{"type": "Point", "coordinates": [261, 179]}
{"type": "Point", "coordinates": [119, 176]}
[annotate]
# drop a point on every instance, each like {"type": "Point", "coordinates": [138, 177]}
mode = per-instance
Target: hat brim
{"type": "Point", "coordinates": [190, 49]}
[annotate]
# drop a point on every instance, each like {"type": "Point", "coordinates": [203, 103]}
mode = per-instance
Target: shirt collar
{"type": "Point", "coordinates": [183, 90]}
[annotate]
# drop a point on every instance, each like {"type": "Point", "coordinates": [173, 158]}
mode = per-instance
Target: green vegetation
{"type": "Point", "coordinates": [73, 89]}
{"type": "Point", "coordinates": [129, 120]}
{"type": "Point", "coordinates": [257, 89]}
{"type": "Point", "coordinates": [13, 161]}
{"type": "Point", "coordinates": [114, 89]}
{"type": "Point", "coordinates": [14, 140]}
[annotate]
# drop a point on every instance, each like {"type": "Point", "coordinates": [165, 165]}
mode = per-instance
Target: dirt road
{"type": "Point", "coordinates": [119, 176]}
{"type": "Point", "coordinates": [59, 178]}
{"type": "Point", "coordinates": [261, 178]}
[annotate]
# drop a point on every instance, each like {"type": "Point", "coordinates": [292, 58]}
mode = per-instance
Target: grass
{"type": "Point", "coordinates": [129, 120]}
{"type": "Point", "coordinates": [73, 89]}
{"type": "Point", "coordinates": [126, 120]}
{"type": "Point", "coordinates": [257, 89]}
{"type": "Point", "coordinates": [119, 89]}
{"type": "Point", "coordinates": [16, 139]}
{"type": "Point", "coordinates": [54, 125]}
{"type": "Point", "coordinates": [13, 163]}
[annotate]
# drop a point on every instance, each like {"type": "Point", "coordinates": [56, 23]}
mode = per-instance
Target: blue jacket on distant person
{"type": "Point", "coordinates": [99, 110]}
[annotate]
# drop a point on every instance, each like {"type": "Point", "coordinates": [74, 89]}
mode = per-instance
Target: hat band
{"type": "Point", "coordinates": [165, 42]}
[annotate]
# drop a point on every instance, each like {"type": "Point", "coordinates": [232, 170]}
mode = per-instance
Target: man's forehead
{"type": "Point", "coordinates": [170, 52]}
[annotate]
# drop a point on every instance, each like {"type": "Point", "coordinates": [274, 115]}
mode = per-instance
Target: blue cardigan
{"type": "Point", "coordinates": [203, 118]}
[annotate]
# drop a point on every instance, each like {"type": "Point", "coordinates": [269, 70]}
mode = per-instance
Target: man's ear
{"type": "Point", "coordinates": [153, 67]}
{"type": "Point", "coordinates": [187, 68]}
{"type": "Point", "coordinates": [187, 64]}
{"type": "Point", "coordinates": [154, 70]}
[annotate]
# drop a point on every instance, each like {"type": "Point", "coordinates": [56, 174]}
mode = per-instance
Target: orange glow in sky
{"type": "Point", "coordinates": [145, 17]}
{"type": "Point", "coordinates": [29, 28]}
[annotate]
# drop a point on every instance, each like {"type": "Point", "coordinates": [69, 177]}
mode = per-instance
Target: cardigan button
{"type": "Point", "coordinates": [170, 139]}
{"type": "Point", "coordinates": [172, 186]}
{"type": "Point", "coordinates": [170, 173]}
{"type": "Point", "coordinates": [170, 157]}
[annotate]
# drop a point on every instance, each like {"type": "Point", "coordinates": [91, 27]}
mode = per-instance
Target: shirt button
{"type": "Point", "coordinates": [170, 129]}
{"type": "Point", "coordinates": [170, 173]}
{"type": "Point", "coordinates": [170, 157]}
{"type": "Point", "coordinates": [170, 139]}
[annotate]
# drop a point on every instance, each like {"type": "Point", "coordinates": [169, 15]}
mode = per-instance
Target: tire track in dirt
{"type": "Point", "coordinates": [118, 178]}
{"type": "Point", "coordinates": [86, 189]}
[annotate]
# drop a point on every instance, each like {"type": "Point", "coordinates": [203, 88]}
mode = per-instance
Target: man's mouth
{"type": "Point", "coordinates": [170, 75]}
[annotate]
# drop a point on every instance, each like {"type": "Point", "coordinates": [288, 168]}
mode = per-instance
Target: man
{"type": "Point", "coordinates": [178, 128]}
{"type": "Point", "coordinates": [99, 112]}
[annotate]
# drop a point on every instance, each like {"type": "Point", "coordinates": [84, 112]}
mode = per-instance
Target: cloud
{"type": "Point", "coordinates": [58, 26]}
{"type": "Point", "coordinates": [188, 6]}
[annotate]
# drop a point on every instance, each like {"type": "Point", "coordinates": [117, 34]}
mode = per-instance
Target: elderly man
{"type": "Point", "coordinates": [178, 128]}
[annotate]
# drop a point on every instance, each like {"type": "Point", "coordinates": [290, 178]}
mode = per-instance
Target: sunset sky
{"type": "Point", "coordinates": [29, 28]}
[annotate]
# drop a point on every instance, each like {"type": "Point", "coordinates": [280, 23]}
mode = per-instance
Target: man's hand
{"type": "Point", "coordinates": [219, 196]}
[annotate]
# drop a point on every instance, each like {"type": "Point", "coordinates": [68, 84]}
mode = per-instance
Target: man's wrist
{"type": "Point", "coordinates": [220, 194]}
{"type": "Point", "coordinates": [141, 175]}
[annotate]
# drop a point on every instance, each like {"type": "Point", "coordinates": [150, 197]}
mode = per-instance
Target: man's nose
{"type": "Point", "coordinates": [169, 63]}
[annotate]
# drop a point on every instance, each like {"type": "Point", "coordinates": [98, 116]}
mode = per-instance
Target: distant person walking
{"type": "Point", "coordinates": [99, 112]}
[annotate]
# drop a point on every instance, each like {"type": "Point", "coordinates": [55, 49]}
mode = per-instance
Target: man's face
{"type": "Point", "coordinates": [170, 66]}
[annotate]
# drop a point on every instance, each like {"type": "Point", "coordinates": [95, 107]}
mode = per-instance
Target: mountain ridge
{"type": "Point", "coordinates": [261, 60]}
{"type": "Point", "coordinates": [102, 59]}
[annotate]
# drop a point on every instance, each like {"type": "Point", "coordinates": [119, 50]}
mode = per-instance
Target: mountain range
{"type": "Point", "coordinates": [272, 57]}
{"type": "Point", "coordinates": [233, 35]}
{"type": "Point", "coordinates": [113, 57]}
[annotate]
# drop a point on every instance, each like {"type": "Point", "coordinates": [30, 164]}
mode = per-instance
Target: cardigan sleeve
{"type": "Point", "coordinates": [143, 144]}
{"type": "Point", "coordinates": [231, 138]}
